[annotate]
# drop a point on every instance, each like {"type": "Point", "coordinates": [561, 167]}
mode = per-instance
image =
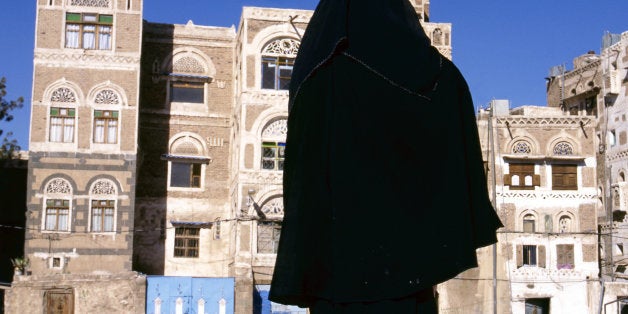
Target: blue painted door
{"type": "Point", "coordinates": [189, 295]}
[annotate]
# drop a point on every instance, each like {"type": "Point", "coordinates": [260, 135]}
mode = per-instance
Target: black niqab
{"type": "Point", "coordinates": [384, 188]}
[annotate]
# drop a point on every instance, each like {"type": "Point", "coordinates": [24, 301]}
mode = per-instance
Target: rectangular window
{"type": "Point", "coordinates": [529, 255]}
{"type": "Point", "coordinates": [276, 72]}
{"type": "Point", "coordinates": [186, 242]}
{"type": "Point", "coordinates": [62, 125]}
{"type": "Point", "coordinates": [103, 215]}
{"type": "Point", "coordinates": [185, 175]}
{"type": "Point", "coordinates": [190, 92]}
{"type": "Point", "coordinates": [268, 233]}
{"type": "Point", "coordinates": [537, 306]}
{"type": "Point", "coordinates": [273, 155]}
{"type": "Point", "coordinates": [564, 256]}
{"type": "Point", "coordinates": [88, 31]}
{"type": "Point", "coordinates": [529, 225]}
{"type": "Point", "coordinates": [521, 177]}
{"type": "Point", "coordinates": [564, 177]}
{"type": "Point", "coordinates": [57, 215]}
{"type": "Point", "coordinates": [105, 126]}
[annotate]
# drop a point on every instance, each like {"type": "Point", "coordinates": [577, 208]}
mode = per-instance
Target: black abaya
{"type": "Point", "coordinates": [384, 188]}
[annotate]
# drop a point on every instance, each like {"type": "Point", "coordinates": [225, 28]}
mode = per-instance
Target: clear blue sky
{"type": "Point", "coordinates": [504, 48]}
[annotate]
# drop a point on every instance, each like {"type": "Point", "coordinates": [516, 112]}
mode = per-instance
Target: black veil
{"type": "Point", "coordinates": [384, 186]}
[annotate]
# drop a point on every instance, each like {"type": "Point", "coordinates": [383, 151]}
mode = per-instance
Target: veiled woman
{"type": "Point", "coordinates": [384, 188]}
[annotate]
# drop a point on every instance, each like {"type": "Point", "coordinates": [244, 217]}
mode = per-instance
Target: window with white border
{"type": "Point", "coordinates": [187, 163]}
{"type": "Point", "coordinates": [57, 207]}
{"type": "Point", "coordinates": [103, 211]}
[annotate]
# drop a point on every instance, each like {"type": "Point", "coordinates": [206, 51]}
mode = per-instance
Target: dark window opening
{"type": "Point", "coordinates": [190, 92]}
{"type": "Point", "coordinates": [276, 72]}
{"type": "Point", "coordinates": [185, 175]}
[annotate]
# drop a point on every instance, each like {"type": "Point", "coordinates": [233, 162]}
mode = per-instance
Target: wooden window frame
{"type": "Point", "coordinates": [107, 117]}
{"type": "Point", "coordinates": [564, 177]}
{"type": "Point", "coordinates": [65, 114]}
{"type": "Point", "coordinates": [522, 170]}
{"type": "Point", "coordinates": [106, 208]}
{"type": "Point", "coordinates": [101, 21]}
{"type": "Point", "coordinates": [280, 82]}
{"type": "Point", "coordinates": [523, 257]}
{"type": "Point", "coordinates": [187, 242]}
{"type": "Point", "coordinates": [56, 207]}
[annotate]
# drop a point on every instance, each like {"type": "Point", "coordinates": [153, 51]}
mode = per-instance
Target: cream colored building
{"type": "Point", "coordinates": [597, 85]}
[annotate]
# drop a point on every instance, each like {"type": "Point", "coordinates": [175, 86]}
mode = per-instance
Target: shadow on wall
{"type": "Point", "coordinates": [153, 137]}
{"type": "Point", "coordinates": [13, 174]}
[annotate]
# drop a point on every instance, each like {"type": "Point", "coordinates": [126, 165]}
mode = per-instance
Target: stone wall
{"type": "Point", "coordinates": [121, 293]}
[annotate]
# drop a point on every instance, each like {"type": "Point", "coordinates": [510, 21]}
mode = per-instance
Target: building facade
{"type": "Point", "coordinates": [83, 159]}
{"type": "Point", "coordinates": [158, 149]}
{"type": "Point", "coordinates": [597, 85]}
{"type": "Point", "coordinates": [546, 195]}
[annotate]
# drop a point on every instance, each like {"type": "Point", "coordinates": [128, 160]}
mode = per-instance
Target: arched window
{"type": "Point", "coordinates": [63, 103]}
{"type": "Point", "coordinates": [187, 81]}
{"type": "Point", "coordinates": [269, 229]}
{"type": "Point", "coordinates": [186, 162]}
{"type": "Point", "coordinates": [58, 201]}
{"type": "Point", "coordinates": [274, 144]}
{"type": "Point", "coordinates": [437, 37]}
{"type": "Point", "coordinates": [106, 117]}
{"type": "Point", "coordinates": [521, 147]}
{"type": "Point", "coordinates": [564, 224]}
{"type": "Point", "coordinates": [103, 195]}
{"type": "Point", "coordinates": [563, 149]}
{"type": "Point", "coordinates": [529, 223]}
{"type": "Point", "coordinates": [277, 61]}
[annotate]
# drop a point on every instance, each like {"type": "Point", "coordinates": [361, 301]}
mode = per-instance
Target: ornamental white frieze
{"type": "Point", "coordinates": [617, 156]}
{"type": "Point", "coordinates": [262, 177]}
{"type": "Point", "coordinates": [541, 195]}
{"type": "Point", "coordinates": [555, 121]}
{"type": "Point", "coordinates": [265, 98]}
{"type": "Point", "coordinates": [91, 60]}
{"type": "Point", "coordinates": [91, 3]}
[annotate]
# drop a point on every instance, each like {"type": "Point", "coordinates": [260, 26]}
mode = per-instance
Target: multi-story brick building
{"type": "Point", "coordinates": [543, 165]}
{"type": "Point", "coordinates": [158, 148]}
{"type": "Point", "coordinates": [83, 154]}
{"type": "Point", "coordinates": [597, 85]}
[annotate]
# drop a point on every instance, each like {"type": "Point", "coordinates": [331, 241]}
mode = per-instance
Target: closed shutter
{"type": "Point", "coordinates": [507, 179]}
{"type": "Point", "coordinates": [536, 180]}
{"type": "Point", "coordinates": [519, 255]}
{"type": "Point", "coordinates": [564, 256]}
{"type": "Point", "coordinates": [541, 256]}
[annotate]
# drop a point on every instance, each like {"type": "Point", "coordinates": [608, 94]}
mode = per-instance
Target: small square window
{"type": "Point", "coordinates": [186, 242]}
